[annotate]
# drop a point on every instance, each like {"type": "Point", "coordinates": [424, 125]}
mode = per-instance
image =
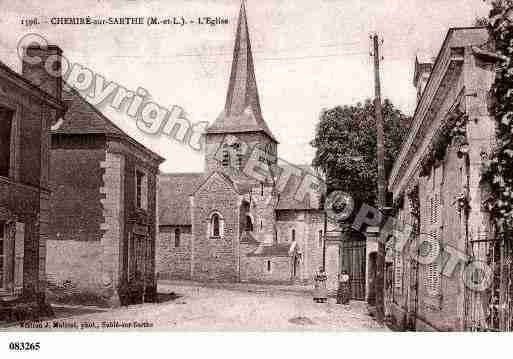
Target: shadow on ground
{"type": "Point", "coordinates": [167, 297]}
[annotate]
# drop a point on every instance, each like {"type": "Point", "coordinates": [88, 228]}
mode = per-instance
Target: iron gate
{"type": "Point", "coordinates": [491, 310]}
{"type": "Point", "coordinates": [353, 260]}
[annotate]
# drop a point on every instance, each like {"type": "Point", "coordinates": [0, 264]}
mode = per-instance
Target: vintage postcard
{"type": "Point", "coordinates": [243, 165]}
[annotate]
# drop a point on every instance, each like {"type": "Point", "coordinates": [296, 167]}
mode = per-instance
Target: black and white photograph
{"type": "Point", "coordinates": [203, 166]}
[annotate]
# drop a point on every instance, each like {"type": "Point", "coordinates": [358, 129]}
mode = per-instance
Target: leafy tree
{"type": "Point", "coordinates": [345, 144]}
{"type": "Point", "coordinates": [500, 170]}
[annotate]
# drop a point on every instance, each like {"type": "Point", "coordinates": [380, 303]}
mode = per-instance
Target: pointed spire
{"type": "Point", "coordinates": [242, 90]}
{"type": "Point", "coordinates": [242, 111]}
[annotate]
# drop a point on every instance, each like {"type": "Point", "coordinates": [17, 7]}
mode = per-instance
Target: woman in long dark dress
{"type": "Point", "coordinates": [344, 288]}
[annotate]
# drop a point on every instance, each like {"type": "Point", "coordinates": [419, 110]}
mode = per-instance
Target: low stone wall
{"type": "Point", "coordinates": [254, 269]}
{"type": "Point", "coordinates": [174, 262]}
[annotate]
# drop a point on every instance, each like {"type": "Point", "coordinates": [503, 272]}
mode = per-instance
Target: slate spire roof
{"type": "Point", "coordinates": [242, 111]}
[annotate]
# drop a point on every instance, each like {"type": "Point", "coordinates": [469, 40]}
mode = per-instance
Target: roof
{"type": "Point", "coordinates": [274, 250]}
{"type": "Point", "coordinates": [29, 86]}
{"type": "Point", "coordinates": [242, 112]}
{"type": "Point", "coordinates": [423, 64]}
{"type": "Point", "coordinates": [173, 197]}
{"type": "Point", "coordinates": [83, 118]}
{"type": "Point", "coordinates": [287, 200]}
{"type": "Point", "coordinates": [237, 188]}
{"type": "Point", "coordinates": [457, 37]}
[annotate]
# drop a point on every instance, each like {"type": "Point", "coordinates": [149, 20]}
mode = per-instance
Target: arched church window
{"type": "Point", "coordinates": [216, 225]}
{"type": "Point", "coordinates": [293, 235]}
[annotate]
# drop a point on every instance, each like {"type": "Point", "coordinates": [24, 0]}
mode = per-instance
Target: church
{"type": "Point", "coordinates": [227, 225]}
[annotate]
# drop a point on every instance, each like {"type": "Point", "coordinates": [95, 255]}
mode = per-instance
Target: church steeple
{"type": "Point", "coordinates": [242, 111]}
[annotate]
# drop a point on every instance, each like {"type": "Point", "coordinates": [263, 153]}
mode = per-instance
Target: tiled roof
{"type": "Point", "coordinates": [48, 98]}
{"type": "Point", "coordinates": [273, 250]}
{"type": "Point", "coordinates": [287, 197]}
{"type": "Point", "coordinates": [173, 195]}
{"type": "Point", "coordinates": [242, 112]}
{"type": "Point", "coordinates": [83, 118]}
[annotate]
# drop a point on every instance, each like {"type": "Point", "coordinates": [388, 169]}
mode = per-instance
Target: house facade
{"type": "Point", "coordinates": [101, 245]}
{"type": "Point", "coordinates": [439, 193]}
{"type": "Point", "coordinates": [231, 223]}
{"type": "Point", "coordinates": [29, 103]}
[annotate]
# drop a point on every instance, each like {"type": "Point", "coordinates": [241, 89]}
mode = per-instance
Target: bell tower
{"type": "Point", "coordinates": [240, 127]}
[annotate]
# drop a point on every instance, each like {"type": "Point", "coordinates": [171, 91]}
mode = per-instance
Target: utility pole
{"type": "Point", "coordinates": [325, 237]}
{"type": "Point", "coordinates": [380, 260]}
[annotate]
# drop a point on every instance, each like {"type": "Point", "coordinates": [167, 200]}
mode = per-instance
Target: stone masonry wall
{"type": "Point", "coordinates": [215, 259]}
{"type": "Point", "coordinates": [262, 212]}
{"type": "Point", "coordinates": [174, 262]}
{"type": "Point", "coordinates": [113, 225]}
{"type": "Point", "coordinates": [214, 143]}
{"type": "Point", "coordinates": [295, 220]}
{"type": "Point", "coordinates": [254, 269]}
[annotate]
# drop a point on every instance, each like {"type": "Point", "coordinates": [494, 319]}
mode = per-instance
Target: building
{"type": "Point", "coordinates": [227, 225]}
{"type": "Point", "coordinates": [101, 246]}
{"type": "Point", "coordinates": [29, 103]}
{"type": "Point", "coordinates": [439, 191]}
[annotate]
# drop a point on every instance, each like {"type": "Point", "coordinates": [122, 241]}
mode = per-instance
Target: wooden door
{"type": "Point", "coordinates": [136, 267]}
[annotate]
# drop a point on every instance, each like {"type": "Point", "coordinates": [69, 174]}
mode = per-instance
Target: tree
{"type": "Point", "coordinates": [500, 170]}
{"type": "Point", "coordinates": [345, 143]}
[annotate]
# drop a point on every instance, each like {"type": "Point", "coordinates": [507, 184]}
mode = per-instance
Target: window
{"type": "Point", "coordinates": [226, 158]}
{"type": "Point", "coordinates": [12, 250]}
{"type": "Point", "coordinates": [432, 275]}
{"type": "Point", "coordinates": [269, 266]}
{"type": "Point", "coordinates": [177, 237]}
{"type": "Point", "coordinates": [249, 224]}
{"type": "Point", "coordinates": [399, 271]}
{"type": "Point", "coordinates": [432, 280]}
{"type": "Point", "coordinates": [293, 235]}
{"type": "Point", "coordinates": [320, 238]}
{"type": "Point", "coordinates": [240, 160]}
{"type": "Point", "coordinates": [216, 226]}
{"type": "Point", "coordinates": [238, 154]}
{"type": "Point", "coordinates": [141, 190]}
{"type": "Point", "coordinates": [5, 141]}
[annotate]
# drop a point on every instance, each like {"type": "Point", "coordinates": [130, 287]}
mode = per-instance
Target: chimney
{"type": "Point", "coordinates": [42, 67]}
{"type": "Point", "coordinates": [423, 68]}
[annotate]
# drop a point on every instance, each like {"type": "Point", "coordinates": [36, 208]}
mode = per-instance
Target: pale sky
{"type": "Point", "coordinates": [309, 55]}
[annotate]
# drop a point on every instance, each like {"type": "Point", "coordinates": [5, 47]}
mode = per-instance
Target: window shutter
{"type": "Point", "coordinates": [399, 271]}
{"type": "Point", "coordinates": [144, 192]}
{"type": "Point", "coordinates": [19, 253]}
{"type": "Point", "coordinates": [433, 280]}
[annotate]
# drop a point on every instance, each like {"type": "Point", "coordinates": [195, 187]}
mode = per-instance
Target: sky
{"type": "Point", "coordinates": [309, 55]}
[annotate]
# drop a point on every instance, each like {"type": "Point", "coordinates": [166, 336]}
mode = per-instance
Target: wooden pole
{"type": "Point", "coordinates": [324, 239]}
{"type": "Point", "coordinates": [380, 260]}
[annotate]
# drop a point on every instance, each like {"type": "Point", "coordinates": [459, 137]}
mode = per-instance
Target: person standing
{"type": "Point", "coordinates": [344, 288]}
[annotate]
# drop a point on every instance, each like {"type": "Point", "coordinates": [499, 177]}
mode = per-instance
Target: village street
{"type": "Point", "coordinates": [225, 307]}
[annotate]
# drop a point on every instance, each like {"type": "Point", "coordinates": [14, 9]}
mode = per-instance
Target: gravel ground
{"type": "Point", "coordinates": [222, 307]}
